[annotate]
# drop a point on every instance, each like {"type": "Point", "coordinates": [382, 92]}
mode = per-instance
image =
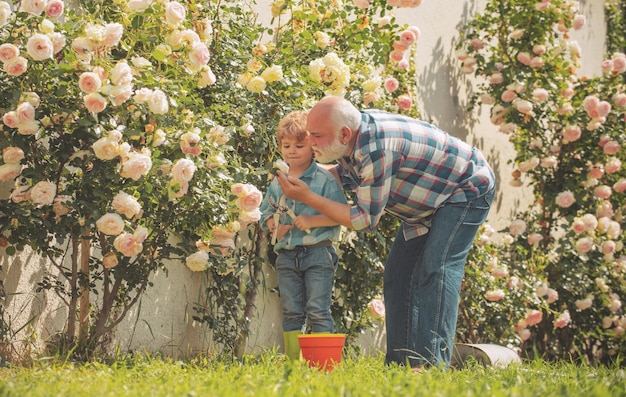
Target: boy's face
{"type": "Point", "coordinates": [298, 154]}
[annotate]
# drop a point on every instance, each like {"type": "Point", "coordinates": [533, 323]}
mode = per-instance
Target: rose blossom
{"type": "Point", "coordinates": [175, 12]}
{"type": "Point", "coordinates": [189, 143]}
{"type": "Point", "coordinates": [183, 170]}
{"type": "Point", "coordinates": [158, 102]}
{"type": "Point", "coordinates": [28, 128]}
{"type": "Point", "coordinates": [59, 206]}
{"type": "Point", "coordinates": [525, 334]}
{"type": "Point", "coordinates": [8, 52]}
{"type": "Point", "coordinates": [408, 37]}
{"type": "Point", "coordinates": [110, 224]}
{"type": "Point", "coordinates": [39, 47]}
{"type": "Point", "coordinates": [612, 165]}
{"type": "Point", "coordinates": [43, 193]}
{"type": "Point", "coordinates": [137, 165]}
{"type": "Point", "coordinates": [524, 58]}
{"type": "Point", "coordinates": [584, 245]}
{"type": "Point", "coordinates": [391, 84]}
{"type": "Point", "coordinates": [602, 191]}
{"type": "Point", "coordinates": [126, 204]}
{"type": "Point", "coordinates": [206, 77]}
{"type": "Point", "coordinates": [552, 295]}
{"type": "Point", "coordinates": [540, 94]}
{"type": "Point", "coordinates": [620, 185]}
{"type": "Point", "coordinates": [571, 133]}
{"type": "Point", "coordinates": [198, 261]}
{"type": "Point", "coordinates": [563, 320]}
{"type": "Point", "coordinates": [25, 113]}
{"type": "Point", "coordinates": [112, 34]}
{"type": "Point", "coordinates": [54, 8]}
{"type": "Point", "coordinates": [106, 149]}
{"type": "Point", "coordinates": [583, 304]}
{"type": "Point", "coordinates": [517, 227]}
{"type": "Point", "coordinates": [246, 217]}
{"type": "Point", "coordinates": [16, 66]}
{"type": "Point", "coordinates": [405, 102]}
{"type": "Point", "coordinates": [273, 73]}
{"type": "Point", "coordinates": [109, 260]}
{"type": "Point", "coordinates": [534, 238]}
{"type": "Point", "coordinates": [94, 102]}
{"type": "Point", "coordinates": [89, 82]}
{"type": "Point", "coordinates": [33, 6]}
{"type": "Point", "coordinates": [494, 295]}
{"type": "Point", "coordinates": [565, 199]}
{"type": "Point", "coordinates": [12, 154]}
{"type": "Point", "coordinates": [614, 230]}
{"type": "Point", "coordinates": [251, 200]}
{"type": "Point", "coordinates": [10, 119]}
{"type": "Point", "coordinates": [9, 171]}
{"type": "Point", "coordinates": [523, 106]}
{"type": "Point", "coordinates": [590, 221]}
{"type": "Point", "coordinates": [508, 96]}
{"type": "Point", "coordinates": [533, 317]}
{"type": "Point", "coordinates": [199, 55]}
{"type": "Point", "coordinates": [128, 245]}
{"type": "Point", "coordinates": [377, 308]}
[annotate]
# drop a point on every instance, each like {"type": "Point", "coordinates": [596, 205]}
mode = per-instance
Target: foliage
{"type": "Point", "coordinates": [555, 285]}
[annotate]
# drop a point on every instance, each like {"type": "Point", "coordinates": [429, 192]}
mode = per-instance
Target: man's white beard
{"type": "Point", "coordinates": [335, 150]}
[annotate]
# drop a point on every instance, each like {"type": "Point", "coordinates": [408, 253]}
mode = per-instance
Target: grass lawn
{"type": "Point", "coordinates": [270, 375]}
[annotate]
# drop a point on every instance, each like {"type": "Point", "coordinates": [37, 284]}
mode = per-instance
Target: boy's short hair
{"type": "Point", "coordinates": [293, 125]}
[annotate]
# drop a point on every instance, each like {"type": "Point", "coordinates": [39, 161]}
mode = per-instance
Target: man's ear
{"type": "Point", "coordinates": [346, 135]}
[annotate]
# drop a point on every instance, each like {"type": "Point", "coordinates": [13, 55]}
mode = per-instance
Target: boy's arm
{"type": "Point", "coordinates": [304, 222]}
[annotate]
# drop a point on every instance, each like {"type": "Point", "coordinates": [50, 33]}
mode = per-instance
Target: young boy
{"type": "Point", "coordinates": [302, 237]}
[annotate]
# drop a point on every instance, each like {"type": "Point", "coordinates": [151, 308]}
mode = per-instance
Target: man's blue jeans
{"type": "Point", "coordinates": [422, 284]}
{"type": "Point", "coordinates": [305, 280]}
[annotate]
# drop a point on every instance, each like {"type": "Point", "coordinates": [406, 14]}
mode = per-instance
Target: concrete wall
{"type": "Point", "coordinates": [162, 321]}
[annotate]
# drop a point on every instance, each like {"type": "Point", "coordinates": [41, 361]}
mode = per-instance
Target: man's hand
{"type": "Point", "coordinates": [293, 188]}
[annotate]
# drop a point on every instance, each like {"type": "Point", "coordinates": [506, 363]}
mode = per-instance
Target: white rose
{"type": "Point", "coordinates": [110, 224]}
{"type": "Point", "coordinates": [5, 13]}
{"type": "Point", "coordinates": [126, 204]}
{"type": "Point", "coordinates": [12, 154]}
{"type": "Point", "coordinates": [28, 128]}
{"type": "Point", "coordinates": [39, 47]}
{"type": "Point", "coordinates": [175, 12]}
{"type": "Point", "coordinates": [206, 77]}
{"type": "Point", "coordinates": [158, 102]}
{"type": "Point", "coordinates": [43, 193]}
{"type": "Point", "coordinates": [33, 6]}
{"type": "Point", "coordinates": [112, 34]}
{"type": "Point", "coordinates": [106, 149]}
{"type": "Point", "coordinates": [136, 166]}
{"type": "Point", "coordinates": [183, 170]}
{"type": "Point", "coordinates": [89, 82]}
{"type": "Point", "coordinates": [198, 261]}
{"type": "Point", "coordinates": [121, 74]}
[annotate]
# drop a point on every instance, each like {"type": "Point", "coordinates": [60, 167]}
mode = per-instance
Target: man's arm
{"type": "Point", "coordinates": [298, 190]}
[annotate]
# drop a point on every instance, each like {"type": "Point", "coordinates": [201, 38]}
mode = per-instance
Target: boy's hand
{"type": "Point", "coordinates": [302, 222]}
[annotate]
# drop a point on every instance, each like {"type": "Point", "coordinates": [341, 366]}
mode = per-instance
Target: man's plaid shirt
{"type": "Point", "coordinates": [409, 168]}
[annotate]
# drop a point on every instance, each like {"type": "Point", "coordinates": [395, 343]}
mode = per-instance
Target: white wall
{"type": "Point", "coordinates": [162, 321]}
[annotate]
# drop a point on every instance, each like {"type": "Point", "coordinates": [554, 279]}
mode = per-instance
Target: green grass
{"type": "Point", "coordinates": [270, 375]}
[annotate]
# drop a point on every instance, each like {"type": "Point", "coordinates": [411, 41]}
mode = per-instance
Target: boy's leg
{"type": "Point", "coordinates": [319, 265]}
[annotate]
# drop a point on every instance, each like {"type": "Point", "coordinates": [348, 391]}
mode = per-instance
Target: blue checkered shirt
{"type": "Point", "coordinates": [409, 168]}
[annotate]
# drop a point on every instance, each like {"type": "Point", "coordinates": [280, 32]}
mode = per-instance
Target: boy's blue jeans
{"type": "Point", "coordinates": [305, 280]}
{"type": "Point", "coordinates": [422, 284]}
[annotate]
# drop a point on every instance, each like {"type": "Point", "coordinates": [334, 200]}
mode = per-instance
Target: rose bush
{"type": "Point", "coordinates": [565, 255]}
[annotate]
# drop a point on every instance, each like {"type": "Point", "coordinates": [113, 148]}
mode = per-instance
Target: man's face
{"type": "Point", "coordinates": [325, 140]}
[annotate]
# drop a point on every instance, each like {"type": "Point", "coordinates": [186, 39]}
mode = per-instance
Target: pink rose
{"type": "Point", "coordinates": [494, 295]}
{"type": "Point", "coordinates": [404, 102]}
{"type": "Point", "coordinates": [619, 63]}
{"type": "Point", "coordinates": [540, 94]}
{"type": "Point", "coordinates": [189, 143]}
{"type": "Point", "coordinates": [25, 112]}
{"type": "Point", "coordinates": [565, 199]}
{"type": "Point", "coordinates": [619, 100]}
{"type": "Point", "coordinates": [362, 4]}
{"type": "Point", "coordinates": [525, 334]}
{"type": "Point", "coordinates": [613, 165]}
{"type": "Point", "coordinates": [175, 12]}
{"type": "Point", "coordinates": [534, 238]}
{"type": "Point", "coordinates": [391, 84]}
{"type": "Point", "coordinates": [136, 166]}
{"type": "Point", "coordinates": [524, 58]}
{"type": "Point", "coordinates": [508, 96]}
{"type": "Point", "coordinates": [54, 8]}
{"type": "Point", "coordinates": [563, 320]}
{"type": "Point", "coordinates": [517, 227]}
{"type": "Point", "coordinates": [33, 6]}
{"type": "Point", "coordinates": [602, 191]}
{"type": "Point", "coordinates": [8, 52]}
{"type": "Point", "coordinates": [183, 170]}
{"type": "Point", "coordinates": [583, 304]}
{"type": "Point", "coordinates": [89, 82]}
{"type": "Point", "coordinates": [157, 102]}
{"type": "Point", "coordinates": [536, 62]}
{"type": "Point", "coordinates": [572, 133]}
{"type": "Point", "coordinates": [377, 308]}
{"type": "Point", "coordinates": [552, 295]}
{"type": "Point", "coordinates": [620, 186]}
{"type": "Point", "coordinates": [199, 54]}
{"type": "Point", "coordinates": [95, 102]}
{"type": "Point", "coordinates": [112, 34]}
{"type": "Point", "coordinates": [109, 261]}
{"type": "Point", "coordinates": [59, 205]}
{"type": "Point", "coordinates": [605, 210]}
{"type": "Point", "coordinates": [611, 147]}
{"type": "Point", "coordinates": [584, 245]}
{"type": "Point", "coordinates": [523, 106]}
{"type": "Point", "coordinates": [539, 49]}
{"type": "Point", "coordinates": [608, 247]}
{"type": "Point", "coordinates": [533, 317]}
{"type": "Point", "coordinates": [578, 226]}
{"type": "Point", "coordinates": [9, 172]}
{"type": "Point", "coordinates": [10, 119]}
{"type": "Point", "coordinates": [106, 149]}
{"type": "Point", "coordinates": [247, 217]}
{"type": "Point", "coordinates": [408, 37]}
{"type": "Point", "coordinates": [43, 193]}
{"type": "Point", "coordinates": [125, 204]}
{"type": "Point", "coordinates": [110, 224]}
{"type": "Point", "coordinates": [128, 245]}
{"type": "Point", "coordinates": [39, 47]}
{"type": "Point", "coordinates": [250, 201]}
{"type": "Point", "coordinates": [397, 55]}
{"type": "Point", "coordinates": [16, 67]}
{"type": "Point", "coordinates": [12, 155]}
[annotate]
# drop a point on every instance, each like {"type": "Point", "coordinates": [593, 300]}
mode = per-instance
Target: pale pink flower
{"type": "Point", "coordinates": [94, 102]}
{"type": "Point", "coordinates": [377, 308]}
{"type": "Point", "coordinates": [110, 224]}
{"type": "Point", "coordinates": [240, 189]}
{"type": "Point", "coordinates": [247, 217]}
{"type": "Point", "coordinates": [508, 96]}
{"type": "Point", "coordinates": [549, 162]}
{"type": "Point", "coordinates": [536, 62]}
{"type": "Point", "coordinates": [584, 304]}
{"type": "Point", "coordinates": [206, 77]}
{"type": "Point", "coordinates": [584, 245]}
{"type": "Point", "coordinates": [487, 98]}
{"type": "Point", "coordinates": [58, 41]}
{"type": "Point", "coordinates": [33, 6]}
{"type": "Point", "coordinates": [477, 44]}
{"type": "Point", "coordinates": [175, 12]}
{"type": "Point", "coordinates": [571, 133]}
{"type": "Point", "coordinates": [607, 66]}
{"type": "Point", "coordinates": [28, 127]}
{"type": "Point", "coordinates": [614, 303]}
{"type": "Point", "coordinates": [540, 94]}
{"type": "Point", "coordinates": [565, 199]}
{"type": "Point", "coordinates": [517, 33]}
{"type": "Point", "coordinates": [552, 295]}
{"type": "Point", "coordinates": [534, 238]}
{"type": "Point", "coordinates": [89, 82]}
{"type": "Point", "coordinates": [157, 102]}
{"type": "Point", "coordinates": [619, 100]}
{"type": "Point", "coordinates": [539, 49]}
{"type": "Point", "coordinates": [604, 108]}
{"type": "Point", "coordinates": [517, 227]}
{"type": "Point", "coordinates": [125, 204]}
{"type": "Point", "coordinates": [198, 261]}
{"type": "Point", "coordinates": [43, 193]}
{"type": "Point", "coordinates": [109, 261]}
{"type": "Point", "coordinates": [613, 165]}
{"type": "Point", "coordinates": [523, 106]}
{"type": "Point", "coordinates": [39, 47]}
{"type": "Point", "coordinates": [607, 322]}
{"type": "Point", "coordinates": [59, 206]}
{"type": "Point", "coordinates": [591, 103]}
{"type": "Point", "coordinates": [106, 149]}
{"type": "Point", "coordinates": [596, 172]}
{"type": "Point", "coordinates": [500, 272]}
{"type": "Point", "coordinates": [524, 58]}
{"type": "Point", "coordinates": [112, 34]}
{"type": "Point", "coordinates": [533, 317]}
{"type": "Point", "coordinates": [391, 84]}
{"type": "Point", "coordinates": [619, 63]}
{"type": "Point", "coordinates": [12, 154]}
{"type": "Point", "coordinates": [250, 201]}
{"type": "Point", "coordinates": [54, 8]}
{"type": "Point", "coordinates": [579, 21]}
{"type": "Point", "coordinates": [563, 320]}
{"type": "Point", "coordinates": [362, 4]}
{"type": "Point", "coordinates": [494, 295]}
{"type": "Point", "coordinates": [602, 191]}
{"type": "Point", "coordinates": [128, 245]}
{"type": "Point", "coordinates": [25, 112]}
{"type": "Point", "coordinates": [603, 224]}
{"type": "Point", "coordinates": [183, 170]}
{"type": "Point", "coordinates": [9, 172]}
{"type": "Point", "coordinates": [614, 230]}
{"type": "Point", "coordinates": [370, 98]}
{"type": "Point", "coordinates": [136, 166]}
{"type": "Point", "coordinates": [397, 55]}
{"type": "Point", "coordinates": [408, 37]}
{"type": "Point", "coordinates": [8, 52]}
{"type": "Point", "coordinates": [199, 55]}
{"type": "Point", "coordinates": [525, 334]}
{"type": "Point", "coordinates": [611, 147]}
{"type": "Point", "coordinates": [10, 119]}
{"type": "Point", "coordinates": [404, 102]}
{"type": "Point", "coordinates": [620, 186]}
{"type": "Point", "coordinates": [496, 78]}
{"type": "Point", "coordinates": [578, 226]}
{"type": "Point", "coordinates": [16, 66]}
{"type": "Point", "coordinates": [514, 283]}
{"type": "Point", "coordinates": [608, 247]}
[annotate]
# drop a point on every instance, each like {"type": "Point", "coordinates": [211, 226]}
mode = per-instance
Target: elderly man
{"type": "Point", "coordinates": [439, 186]}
